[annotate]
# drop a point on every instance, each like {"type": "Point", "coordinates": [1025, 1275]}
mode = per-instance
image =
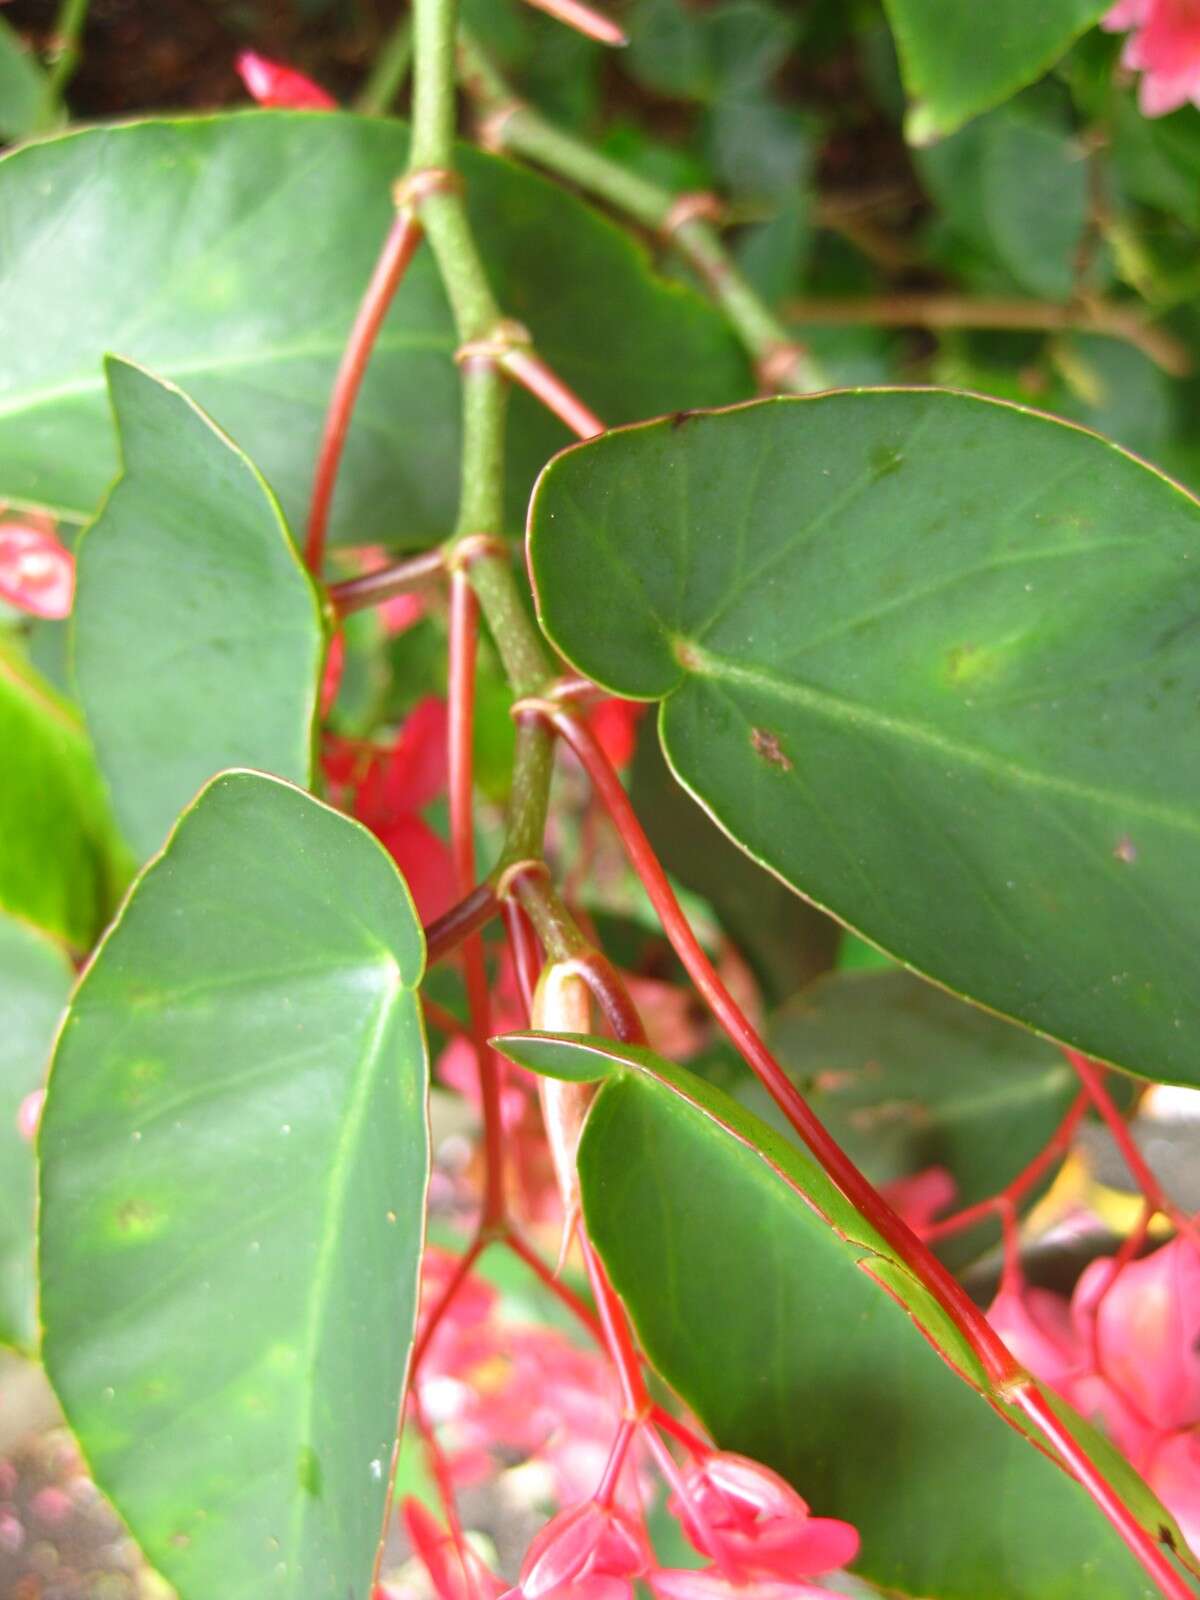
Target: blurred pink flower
{"type": "Point", "coordinates": [1164, 46]}
{"type": "Point", "coordinates": [273, 84]}
{"type": "Point", "coordinates": [589, 1552]}
{"type": "Point", "coordinates": [37, 573]}
{"type": "Point", "coordinates": [455, 1571]}
{"type": "Point", "coordinates": [920, 1197]}
{"type": "Point", "coordinates": [679, 1583]}
{"type": "Point", "coordinates": [1123, 1353]}
{"type": "Point", "coordinates": [763, 1524]}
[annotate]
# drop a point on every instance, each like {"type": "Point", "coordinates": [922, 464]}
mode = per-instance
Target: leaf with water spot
{"type": "Point", "coordinates": [799, 1338]}
{"type": "Point", "coordinates": [933, 660]}
{"type": "Point", "coordinates": [233, 1166]}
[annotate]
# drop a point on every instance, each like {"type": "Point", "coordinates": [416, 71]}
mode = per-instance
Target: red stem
{"type": "Point", "coordinates": [402, 240]}
{"type": "Point", "coordinates": [583, 19]}
{"type": "Point", "coordinates": [532, 373]}
{"type": "Point", "coordinates": [462, 1267]}
{"type": "Point", "coordinates": [445, 1488]}
{"type": "Point", "coordinates": [1091, 1076]}
{"type": "Point", "coordinates": [1024, 1180]}
{"type": "Point", "coordinates": [447, 932]}
{"type": "Point", "coordinates": [373, 588]}
{"type": "Point", "coordinates": [526, 952]}
{"type": "Point", "coordinates": [1009, 1378]}
{"type": "Point", "coordinates": [618, 1339]}
{"type": "Point", "coordinates": [1036, 1406]}
{"type": "Point", "coordinates": [464, 638]}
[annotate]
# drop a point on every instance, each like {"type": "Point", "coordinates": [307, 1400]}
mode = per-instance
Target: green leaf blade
{"type": "Point", "coordinates": [35, 979]}
{"type": "Point", "coordinates": [62, 865]}
{"type": "Point", "coordinates": [254, 335]}
{"type": "Point", "coordinates": [787, 1324]}
{"type": "Point", "coordinates": [197, 634]}
{"type": "Point", "coordinates": [234, 1155]}
{"type": "Point", "coordinates": [929, 659]}
{"type": "Point", "coordinates": [951, 74]}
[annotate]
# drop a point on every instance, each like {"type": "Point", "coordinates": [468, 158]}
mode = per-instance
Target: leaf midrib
{"type": "Point", "coordinates": [702, 664]}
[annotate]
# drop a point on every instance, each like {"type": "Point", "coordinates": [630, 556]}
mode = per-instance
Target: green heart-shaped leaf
{"type": "Point", "coordinates": [233, 1165]}
{"type": "Point", "coordinates": [230, 254]}
{"type": "Point", "coordinates": [800, 1339]}
{"type": "Point", "coordinates": [930, 658]}
{"type": "Point", "coordinates": [197, 632]}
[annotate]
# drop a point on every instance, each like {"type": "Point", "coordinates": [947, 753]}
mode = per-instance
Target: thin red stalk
{"type": "Point", "coordinates": [1091, 1076]}
{"type": "Point", "coordinates": [610, 994]}
{"type": "Point", "coordinates": [1037, 1407]}
{"type": "Point", "coordinates": [462, 1267]}
{"type": "Point", "coordinates": [583, 1313]}
{"type": "Point", "coordinates": [583, 19]}
{"type": "Point", "coordinates": [681, 1433]}
{"type": "Point", "coordinates": [447, 932]}
{"type": "Point", "coordinates": [1024, 1180]}
{"type": "Point", "coordinates": [445, 1489]}
{"type": "Point", "coordinates": [705, 1537]}
{"type": "Point", "coordinates": [373, 588]}
{"type": "Point", "coordinates": [970, 1321]}
{"type": "Point", "coordinates": [1002, 1368]}
{"type": "Point", "coordinates": [532, 373]}
{"type": "Point", "coordinates": [526, 952]}
{"type": "Point", "coordinates": [611, 1477]}
{"type": "Point", "coordinates": [464, 639]}
{"type": "Point", "coordinates": [402, 240]}
{"type": "Point", "coordinates": [618, 1339]}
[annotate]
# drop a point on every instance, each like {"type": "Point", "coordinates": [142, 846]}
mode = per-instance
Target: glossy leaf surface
{"type": "Point", "coordinates": [233, 1164]}
{"type": "Point", "coordinates": [35, 979]}
{"type": "Point", "coordinates": [932, 659]}
{"type": "Point", "coordinates": [236, 249]}
{"type": "Point", "coordinates": [799, 1339]}
{"type": "Point", "coordinates": [61, 864]}
{"type": "Point", "coordinates": [956, 63]}
{"type": "Point", "coordinates": [906, 1076]}
{"type": "Point", "coordinates": [197, 633]}
{"type": "Point", "coordinates": [22, 85]}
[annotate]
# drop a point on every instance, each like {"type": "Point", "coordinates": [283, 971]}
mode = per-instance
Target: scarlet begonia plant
{"type": "Point", "coordinates": [928, 658]}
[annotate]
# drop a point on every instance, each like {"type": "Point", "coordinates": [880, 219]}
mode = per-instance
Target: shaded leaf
{"type": "Point", "coordinates": [930, 658]}
{"type": "Point", "coordinates": [800, 1340]}
{"type": "Point", "coordinates": [233, 1165]}
{"type": "Point", "coordinates": [955, 64]}
{"type": "Point", "coordinates": [22, 85]}
{"type": "Point", "coordinates": [61, 863]}
{"type": "Point", "coordinates": [197, 632]}
{"type": "Point", "coordinates": [35, 979]}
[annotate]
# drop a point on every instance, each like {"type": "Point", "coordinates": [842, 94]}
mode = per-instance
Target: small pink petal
{"type": "Point", "coordinates": [400, 612]}
{"type": "Point", "coordinates": [681, 1584]}
{"type": "Point", "coordinates": [29, 1114]}
{"type": "Point", "coordinates": [1037, 1327]}
{"type": "Point", "coordinates": [754, 1486]}
{"type": "Point", "coordinates": [615, 724]}
{"type": "Point", "coordinates": [273, 84]}
{"type": "Point", "coordinates": [1174, 1475]}
{"type": "Point", "coordinates": [37, 574]}
{"type": "Point", "coordinates": [920, 1197]}
{"type": "Point", "coordinates": [1126, 14]}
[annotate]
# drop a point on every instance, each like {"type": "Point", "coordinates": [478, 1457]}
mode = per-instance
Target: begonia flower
{"type": "Point", "coordinates": [1164, 46]}
{"type": "Point", "coordinates": [273, 84]}
{"type": "Point", "coordinates": [37, 573]}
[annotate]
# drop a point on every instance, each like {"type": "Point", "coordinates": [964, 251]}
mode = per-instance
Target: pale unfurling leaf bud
{"type": "Point", "coordinates": [562, 1004]}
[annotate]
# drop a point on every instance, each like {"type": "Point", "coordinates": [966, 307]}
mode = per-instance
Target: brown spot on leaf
{"type": "Point", "coordinates": [678, 418]}
{"type": "Point", "coordinates": [766, 745]}
{"type": "Point", "coordinates": [1125, 850]}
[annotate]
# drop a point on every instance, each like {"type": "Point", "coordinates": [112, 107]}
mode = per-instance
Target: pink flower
{"type": "Point", "coordinates": [455, 1571]}
{"type": "Point", "coordinates": [589, 1552]}
{"type": "Point", "coordinates": [679, 1583]}
{"type": "Point", "coordinates": [37, 574]}
{"type": "Point", "coordinates": [763, 1524]}
{"type": "Point", "coordinates": [273, 84]}
{"type": "Point", "coordinates": [29, 1114]}
{"type": "Point", "coordinates": [1174, 1474]}
{"type": "Point", "coordinates": [615, 723]}
{"type": "Point", "coordinates": [1037, 1327]}
{"type": "Point", "coordinates": [1164, 46]}
{"type": "Point", "coordinates": [920, 1197]}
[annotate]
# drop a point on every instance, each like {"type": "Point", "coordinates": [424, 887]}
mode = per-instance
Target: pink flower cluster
{"type": "Point", "coordinates": [1164, 46]}
{"type": "Point", "coordinates": [1123, 1353]}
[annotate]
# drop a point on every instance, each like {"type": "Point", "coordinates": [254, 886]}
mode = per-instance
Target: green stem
{"type": "Point", "coordinates": [388, 71]}
{"type": "Point", "coordinates": [517, 128]}
{"type": "Point", "coordinates": [64, 58]}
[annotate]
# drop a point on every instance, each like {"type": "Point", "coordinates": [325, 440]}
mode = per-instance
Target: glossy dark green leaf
{"type": "Point", "coordinates": [35, 979]}
{"type": "Point", "coordinates": [197, 632]}
{"type": "Point", "coordinates": [930, 658]}
{"type": "Point", "coordinates": [955, 63]}
{"type": "Point", "coordinates": [235, 250]}
{"type": "Point", "coordinates": [796, 1335]}
{"type": "Point", "coordinates": [906, 1076]}
{"type": "Point", "coordinates": [233, 1165]}
{"type": "Point", "coordinates": [61, 863]}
